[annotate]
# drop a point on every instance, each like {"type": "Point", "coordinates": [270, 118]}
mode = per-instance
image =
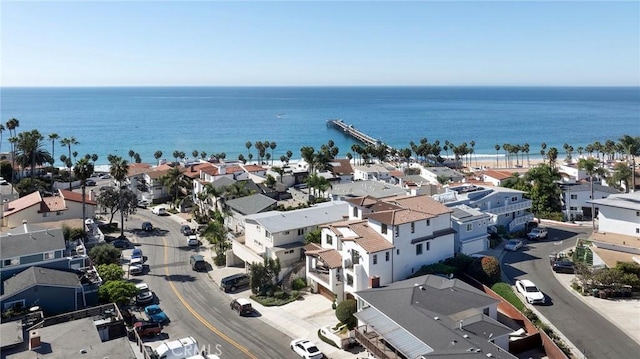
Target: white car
{"type": "Point", "coordinates": [306, 349]}
{"type": "Point", "coordinates": [513, 245]}
{"type": "Point", "coordinates": [136, 269]}
{"type": "Point", "coordinates": [530, 292]}
{"type": "Point", "coordinates": [145, 295]}
{"type": "Point", "coordinates": [159, 211]}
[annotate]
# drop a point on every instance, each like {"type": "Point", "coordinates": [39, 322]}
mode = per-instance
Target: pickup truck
{"type": "Point", "coordinates": [537, 233]}
{"type": "Point", "coordinates": [147, 329]}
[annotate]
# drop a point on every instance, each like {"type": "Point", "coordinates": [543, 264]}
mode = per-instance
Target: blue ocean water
{"type": "Point", "coordinates": [115, 120]}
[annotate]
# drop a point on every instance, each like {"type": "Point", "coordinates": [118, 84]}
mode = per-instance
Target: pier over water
{"type": "Point", "coordinates": [351, 131]}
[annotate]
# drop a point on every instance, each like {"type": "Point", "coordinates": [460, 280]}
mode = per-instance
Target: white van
{"type": "Point", "coordinates": [193, 241]}
{"type": "Point", "coordinates": [159, 211]}
{"type": "Point", "coordinates": [177, 349]}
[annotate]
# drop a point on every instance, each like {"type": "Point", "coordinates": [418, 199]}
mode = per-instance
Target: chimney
{"type": "Point", "coordinates": [34, 340]}
{"type": "Point", "coordinates": [374, 281]}
{"type": "Point", "coordinates": [191, 167]}
{"type": "Point", "coordinates": [92, 195]}
{"type": "Point", "coordinates": [24, 223]}
{"type": "Point", "coordinates": [222, 169]}
{"type": "Point", "coordinates": [5, 205]}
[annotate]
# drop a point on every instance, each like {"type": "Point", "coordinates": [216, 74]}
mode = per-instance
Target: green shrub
{"type": "Point", "coordinates": [295, 294]}
{"type": "Point", "coordinates": [220, 259]}
{"type": "Point", "coordinates": [298, 283]}
{"type": "Point", "coordinates": [345, 311]}
{"type": "Point", "coordinates": [435, 268]}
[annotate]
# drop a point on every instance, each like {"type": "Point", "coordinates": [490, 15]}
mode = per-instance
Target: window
{"type": "Point", "coordinates": [637, 230]}
{"type": "Point", "coordinates": [267, 234]}
{"type": "Point", "coordinates": [397, 231]}
{"type": "Point", "coordinates": [45, 214]}
{"type": "Point", "coordinates": [574, 196]}
{"type": "Point", "coordinates": [355, 257]}
{"type": "Point", "coordinates": [573, 208]}
{"type": "Point", "coordinates": [418, 249]}
{"type": "Point", "coordinates": [355, 211]}
{"type": "Point", "coordinates": [428, 222]}
{"type": "Point", "coordinates": [349, 279]}
{"type": "Point", "coordinates": [386, 256]}
{"type": "Point", "coordinates": [11, 262]}
{"type": "Point", "coordinates": [59, 213]}
{"type": "Point", "coordinates": [257, 243]}
{"type": "Point", "coordinates": [469, 227]}
{"type": "Point", "coordinates": [397, 252]}
{"type": "Point", "coordinates": [300, 231]}
{"type": "Point", "coordinates": [285, 233]}
{"type": "Point", "coordinates": [375, 259]}
{"type": "Point", "coordinates": [413, 227]}
{"type": "Point", "coordinates": [428, 245]}
{"type": "Point", "coordinates": [514, 199]}
{"type": "Point", "coordinates": [49, 255]}
{"type": "Point", "coordinates": [329, 239]}
{"type": "Point", "coordinates": [384, 228]}
{"type": "Point", "coordinates": [637, 213]}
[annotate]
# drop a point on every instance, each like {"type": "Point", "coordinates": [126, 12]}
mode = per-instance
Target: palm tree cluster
{"type": "Point", "coordinates": [365, 153]}
{"type": "Point", "coordinates": [319, 161]}
{"type": "Point", "coordinates": [511, 151]}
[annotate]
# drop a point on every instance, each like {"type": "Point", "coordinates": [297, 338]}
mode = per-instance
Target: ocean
{"type": "Point", "coordinates": [115, 120]}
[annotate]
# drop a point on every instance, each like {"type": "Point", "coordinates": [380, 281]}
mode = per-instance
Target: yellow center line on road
{"type": "Point", "coordinates": [198, 316]}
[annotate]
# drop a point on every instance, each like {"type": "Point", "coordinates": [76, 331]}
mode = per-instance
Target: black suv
{"type": "Point", "coordinates": [147, 226]}
{"type": "Point", "coordinates": [233, 282]}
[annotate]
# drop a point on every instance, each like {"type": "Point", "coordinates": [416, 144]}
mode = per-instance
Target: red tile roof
{"type": "Point", "coordinates": [407, 209]}
{"type": "Point", "coordinates": [499, 175]}
{"type": "Point", "coordinates": [24, 202]}
{"type": "Point", "coordinates": [330, 257]}
{"type": "Point", "coordinates": [370, 240]}
{"type": "Point", "coordinates": [53, 204]}
{"type": "Point", "coordinates": [75, 197]}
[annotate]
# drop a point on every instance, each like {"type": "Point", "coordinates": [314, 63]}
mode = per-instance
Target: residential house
{"type": "Point", "coordinates": [33, 208]}
{"type": "Point", "coordinates": [28, 245]}
{"type": "Point", "coordinates": [371, 172]}
{"type": "Point", "coordinates": [417, 184]}
{"type": "Point", "coordinates": [495, 177]}
{"type": "Point", "coordinates": [575, 196]}
{"type": "Point", "coordinates": [470, 226]}
{"type": "Point", "coordinates": [375, 189]}
{"type": "Point", "coordinates": [281, 235]}
{"type": "Point", "coordinates": [436, 175]}
{"type": "Point", "coordinates": [385, 240]}
{"type": "Point", "coordinates": [96, 332]}
{"type": "Point", "coordinates": [430, 316]}
{"type": "Point", "coordinates": [507, 207]}
{"type": "Point", "coordinates": [232, 171]}
{"type": "Point", "coordinates": [244, 206]}
{"type": "Point", "coordinates": [571, 172]}
{"type": "Point", "coordinates": [342, 169]}
{"type": "Point", "coordinates": [154, 190]}
{"type": "Point", "coordinates": [619, 214]}
{"type": "Point", "coordinates": [55, 291]}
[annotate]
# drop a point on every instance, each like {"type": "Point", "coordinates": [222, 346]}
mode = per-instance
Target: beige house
{"type": "Point", "coordinates": [33, 208]}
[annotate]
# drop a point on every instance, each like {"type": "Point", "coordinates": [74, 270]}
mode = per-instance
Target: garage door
{"type": "Point", "coordinates": [325, 292]}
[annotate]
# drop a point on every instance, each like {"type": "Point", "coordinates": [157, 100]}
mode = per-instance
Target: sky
{"type": "Point", "coordinates": [323, 43]}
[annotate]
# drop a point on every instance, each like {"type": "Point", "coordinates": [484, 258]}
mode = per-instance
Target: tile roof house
{"type": "Point", "coordinates": [430, 316]}
{"type": "Point", "coordinates": [495, 177]}
{"type": "Point", "coordinates": [341, 168]}
{"type": "Point", "coordinates": [383, 241]}
{"type": "Point", "coordinates": [34, 208]}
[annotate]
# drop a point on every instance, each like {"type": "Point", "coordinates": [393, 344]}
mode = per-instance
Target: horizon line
{"type": "Point", "coordinates": [327, 86]}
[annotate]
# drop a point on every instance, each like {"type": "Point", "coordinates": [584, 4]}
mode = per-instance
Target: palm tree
{"type": "Point", "coordinates": [552, 154]}
{"type": "Point", "coordinates": [195, 154]}
{"type": "Point", "coordinates": [131, 154]}
{"type": "Point", "coordinates": [497, 147]}
{"type": "Point", "coordinates": [1, 131]}
{"type": "Point", "coordinates": [119, 169]}
{"type": "Point", "coordinates": [68, 141]}
{"type": "Point", "coordinates": [30, 151]}
{"type": "Point", "coordinates": [12, 124]}
{"type": "Point", "coordinates": [172, 180]}
{"type": "Point", "coordinates": [591, 167]}
{"type": "Point", "coordinates": [272, 146]}
{"type": "Point", "coordinates": [621, 174]}
{"type": "Point", "coordinates": [53, 138]}
{"type": "Point", "coordinates": [248, 145]}
{"type": "Point", "coordinates": [157, 155]}
{"type": "Point", "coordinates": [632, 149]}
{"type": "Point", "coordinates": [83, 170]}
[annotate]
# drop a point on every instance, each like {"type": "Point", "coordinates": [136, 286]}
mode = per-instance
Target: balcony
{"type": "Point", "coordinates": [519, 206]}
{"type": "Point", "coordinates": [375, 344]}
{"type": "Point", "coordinates": [321, 274]}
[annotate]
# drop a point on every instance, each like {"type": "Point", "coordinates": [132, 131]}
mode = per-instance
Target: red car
{"type": "Point", "coordinates": [147, 329]}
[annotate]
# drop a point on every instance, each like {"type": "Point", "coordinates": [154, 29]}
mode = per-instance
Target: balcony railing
{"type": "Point", "coordinates": [519, 206]}
{"type": "Point", "coordinates": [375, 344]}
{"type": "Point", "coordinates": [321, 274]}
{"type": "Point", "coordinates": [520, 221]}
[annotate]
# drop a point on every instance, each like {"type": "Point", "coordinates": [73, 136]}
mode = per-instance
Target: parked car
{"type": "Point", "coordinates": [122, 243]}
{"type": "Point", "coordinates": [145, 295]}
{"type": "Point", "coordinates": [193, 241]}
{"type": "Point", "coordinates": [306, 349]}
{"type": "Point", "coordinates": [105, 176]}
{"type": "Point", "coordinates": [147, 329]}
{"type": "Point", "coordinates": [563, 267]}
{"type": "Point", "coordinates": [513, 245]}
{"type": "Point", "coordinates": [159, 211]}
{"type": "Point", "coordinates": [143, 203]}
{"type": "Point", "coordinates": [233, 282]}
{"type": "Point", "coordinates": [156, 314]}
{"type": "Point", "coordinates": [537, 233]}
{"type": "Point", "coordinates": [136, 253]}
{"type": "Point", "coordinates": [242, 306]}
{"type": "Point", "coordinates": [186, 230]}
{"type": "Point", "coordinates": [147, 226]}
{"type": "Point", "coordinates": [90, 182]}
{"type": "Point", "coordinates": [197, 262]}
{"type": "Point", "coordinates": [136, 269]}
{"type": "Point", "coordinates": [530, 292]}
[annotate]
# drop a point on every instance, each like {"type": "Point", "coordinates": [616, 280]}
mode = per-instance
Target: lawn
{"type": "Point", "coordinates": [504, 290]}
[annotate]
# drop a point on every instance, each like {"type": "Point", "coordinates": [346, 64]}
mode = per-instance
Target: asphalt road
{"type": "Point", "coordinates": [194, 304]}
{"type": "Point", "coordinates": [592, 334]}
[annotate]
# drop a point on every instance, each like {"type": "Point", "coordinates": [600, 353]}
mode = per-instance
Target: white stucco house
{"type": "Point", "coordinates": [382, 241]}
{"type": "Point", "coordinates": [619, 214]}
{"type": "Point", "coordinates": [575, 197]}
{"type": "Point", "coordinates": [376, 172]}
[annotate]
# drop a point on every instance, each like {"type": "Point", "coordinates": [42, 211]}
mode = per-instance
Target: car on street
{"type": "Point", "coordinates": [306, 349]}
{"type": "Point", "coordinates": [159, 211]}
{"type": "Point", "coordinates": [186, 230]}
{"type": "Point", "coordinates": [537, 233]}
{"type": "Point", "coordinates": [242, 306]}
{"type": "Point", "coordinates": [143, 203]}
{"type": "Point", "coordinates": [192, 240]}
{"type": "Point", "coordinates": [90, 182]}
{"type": "Point", "coordinates": [136, 269]}
{"type": "Point", "coordinates": [105, 176]}
{"type": "Point", "coordinates": [156, 314]}
{"type": "Point", "coordinates": [145, 295]}
{"type": "Point", "coordinates": [122, 243]}
{"type": "Point", "coordinates": [530, 291]}
{"type": "Point", "coordinates": [563, 267]}
{"type": "Point", "coordinates": [147, 226]}
{"type": "Point", "coordinates": [513, 245]}
{"type": "Point", "coordinates": [137, 253]}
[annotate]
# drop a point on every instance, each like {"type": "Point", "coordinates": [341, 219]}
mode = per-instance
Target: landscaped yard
{"type": "Point", "coordinates": [505, 291]}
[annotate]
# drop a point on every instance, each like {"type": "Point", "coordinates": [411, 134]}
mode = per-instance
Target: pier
{"type": "Point", "coordinates": [353, 132]}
